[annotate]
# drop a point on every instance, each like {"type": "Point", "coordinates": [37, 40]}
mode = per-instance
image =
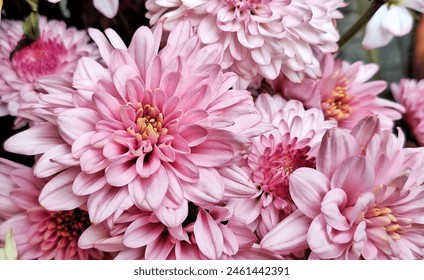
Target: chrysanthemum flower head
{"type": "Point", "coordinates": [377, 215]}
{"type": "Point", "coordinates": [276, 155]}
{"type": "Point", "coordinates": [54, 55]}
{"type": "Point", "coordinates": [344, 93]}
{"type": "Point", "coordinates": [152, 129]}
{"type": "Point", "coordinates": [410, 93]}
{"type": "Point", "coordinates": [39, 233]}
{"type": "Point", "coordinates": [259, 38]}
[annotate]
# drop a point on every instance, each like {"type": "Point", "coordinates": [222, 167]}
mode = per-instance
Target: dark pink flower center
{"type": "Point", "coordinates": [383, 217]}
{"type": "Point", "coordinates": [62, 229]}
{"type": "Point", "coordinates": [148, 124]}
{"type": "Point", "coordinates": [43, 57]}
{"type": "Point", "coordinates": [277, 165]}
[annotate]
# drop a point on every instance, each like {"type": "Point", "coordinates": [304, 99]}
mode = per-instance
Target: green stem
{"type": "Point", "coordinates": [360, 22]}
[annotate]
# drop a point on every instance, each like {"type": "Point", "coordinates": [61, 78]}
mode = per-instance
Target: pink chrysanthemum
{"type": "Point", "coordinates": [38, 233]}
{"type": "Point", "coordinates": [344, 93]}
{"type": "Point", "coordinates": [205, 234]}
{"type": "Point", "coordinates": [291, 145]}
{"type": "Point", "coordinates": [53, 56]}
{"type": "Point", "coordinates": [259, 38]}
{"type": "Point", "coordinates": [152, 129]}
{"type": "Point", "coordinates": [410, 93]}
{"type": "Point", "coordinates": [377, 215]}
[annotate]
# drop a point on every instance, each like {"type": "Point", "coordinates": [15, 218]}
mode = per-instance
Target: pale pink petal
{"type": "Point", "coordinates": [320, 244]}
{"type": "Point", "coordinates": [142, 232]}
{"type": "Point", "coordinates": [36, 140]}
{"type": "Point", "coordinates": [345, 177]}
{"type": "Point", "coordinates": [208, 235]}
{"type": "Point", "coordinates": [307, 188]}
{"type": "Point", "coordinates": [57, 194]}
{"type": "Point", "coordinates": [289, 235]}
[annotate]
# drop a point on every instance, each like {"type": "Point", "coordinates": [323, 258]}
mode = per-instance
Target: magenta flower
{"type": "Point", "coordinates": [291, 145]}
{"type": "Point", "coordinates": [259, 38]}
{"type": "Point", "coordinates": [51, 58]}
{"type": "Point", "coordinates": [344, 93]}
{"type": "Point", "coordinates": [39, 233]}
{"type": "Point", "coordinates": [410, 93]}
{"type": "Point", "coordinates": [377, 215]}
{"type": "Point", "coordinates": [152, 129]}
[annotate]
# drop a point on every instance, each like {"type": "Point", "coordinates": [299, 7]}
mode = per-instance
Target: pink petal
{"type": "Point", "coordinates": [307, 188]}
{"type": "Point", "coordinates": [86, 184]}
{"type": "Point", "coordinates": [172, 217]}
{"type": "Point", "coordinates": [346, 178]}
{"type": "Point", "coordinates": [319, 242]}
{"type": "Point", "coordinates": [92, 234]}
{"type": "Point", "coordinates": [398, 21]}
{"type": "Point", "coordinates": [208, 235]}
{"type": "Point", "coordinates": [336, 146]}
{"type": "Point", "coordinates": [75, 122]}
{"type": "Point", "coordinates": [333, 202]}
{"type": "Point", "coordinates": [289, 235]}
{"type": "Point", "coordinates": [120, 173]}
{"type": "Point", "coordinates": [142, 232]}
{"type": "Point", "coordinates": [211, 153]}
{"type": "Point", "coordinates": [159, 249]}
{"type": "Point", "coordinates": [105, 202]}
{"type": "Point", "coordinates": [35, 140]}
{"type": "Point", "coordinates": [57, 194]}
{"type": "Point", "coordinates": [45, 167]}
{"type": "Point", "coordinates": [156, 187]}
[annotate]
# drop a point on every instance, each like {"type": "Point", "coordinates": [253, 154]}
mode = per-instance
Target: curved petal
{"type": "Point", "coordinates": [208, 235]}
{"type": "Point", "coordinates": [57, 194]}
{"type": "Point", "coordinates": [307, 188]}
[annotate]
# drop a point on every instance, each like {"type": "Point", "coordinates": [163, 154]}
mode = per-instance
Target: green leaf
{"type": "Point", "coordinates": [30, 26]}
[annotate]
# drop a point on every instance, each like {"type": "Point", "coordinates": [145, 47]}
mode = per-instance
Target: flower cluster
{"type": "Point", "coordinates": [225, 130]}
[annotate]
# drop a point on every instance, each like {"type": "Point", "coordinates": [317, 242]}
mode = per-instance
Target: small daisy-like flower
{"type": "Point", "coordinates": [39, 233]}
{"type": "Point", "coordinates": [344, 93]}
{"type": "Point", "coordinates": [53, 56]}
{"type": "Point", "coordinates": [259, 38]}
{"type": "Point", "coordinates": [410, 93]}
{"type": "Point", "coordinates": [276, 155]}
{"type": "Point", "coordinates": [391, 20]}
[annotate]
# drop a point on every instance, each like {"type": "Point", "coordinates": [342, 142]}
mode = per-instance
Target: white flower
{"type": "Point", "coordinates": [392, 19]}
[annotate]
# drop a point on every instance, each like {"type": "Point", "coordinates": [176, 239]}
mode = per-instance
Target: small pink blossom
{"type": "Point", "coordinates": [410, 93]}
{"type": "Point", "coordinates": [391, 20]}
{"type": "Point", "coordinates": [344, 93]}
{"type": "Point", "coordinates": [52, 57]}
{"type": "Point", "coordinates": [39, 233]}
{"type": "Point", "coordinates": [259, 38]}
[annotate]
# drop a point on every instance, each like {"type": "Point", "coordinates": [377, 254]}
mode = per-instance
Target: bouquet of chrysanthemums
{"type": "Point", "coordinates": [208, 129]}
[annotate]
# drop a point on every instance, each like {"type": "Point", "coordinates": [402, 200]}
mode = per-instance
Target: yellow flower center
{"type": "Point", "coordinates": [337, 106]}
